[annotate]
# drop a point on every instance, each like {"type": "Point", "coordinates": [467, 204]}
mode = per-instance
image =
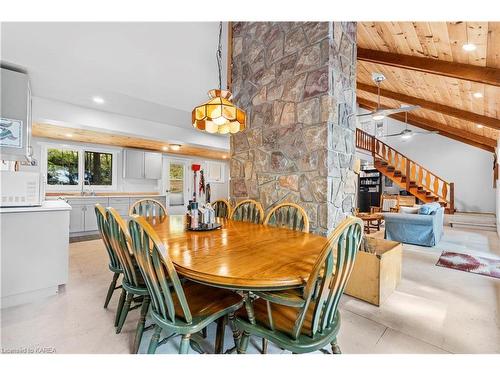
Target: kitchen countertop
{"type": "Point", "coordinates": [103, 195]}
{"type": "Point", "coordinates": [48, 205]}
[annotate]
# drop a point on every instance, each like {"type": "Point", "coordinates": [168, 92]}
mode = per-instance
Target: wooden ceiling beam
{"type": "Point", "coordinates": [490, 122]}
{"type": "Point", "coordinates": [469, 138]}
{"type": "Point", "coordinates": [109, 139]}
{"type": "Point", "coordinates": [473, 73]}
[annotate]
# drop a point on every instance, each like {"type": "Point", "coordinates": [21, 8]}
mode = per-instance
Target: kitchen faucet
{"type": "Point", "coordinates": [91, 191]}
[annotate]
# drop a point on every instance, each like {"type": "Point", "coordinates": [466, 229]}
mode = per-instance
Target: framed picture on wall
{"type": "Point", "coordinates": [11, 133]}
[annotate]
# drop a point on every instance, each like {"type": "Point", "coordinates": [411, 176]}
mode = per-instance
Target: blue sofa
{"type": "Point", "coordinates": [417, 229]}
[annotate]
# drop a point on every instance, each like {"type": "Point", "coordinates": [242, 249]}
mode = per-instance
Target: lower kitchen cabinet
{"type": "Point", "coordinates": [76, 218]}
{"type": "Point", "coordinates": [82, 216]}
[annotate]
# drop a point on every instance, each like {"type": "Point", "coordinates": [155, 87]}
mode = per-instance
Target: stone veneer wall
{"type": "Point", "coordinates": [297, 83]}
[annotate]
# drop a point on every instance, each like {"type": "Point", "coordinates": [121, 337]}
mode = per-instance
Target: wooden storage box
{"type": "Point", "coordinates": [377, 270]}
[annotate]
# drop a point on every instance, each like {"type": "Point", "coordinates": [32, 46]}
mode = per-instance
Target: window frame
{"type": "Point", "coordinates": [81, 167]}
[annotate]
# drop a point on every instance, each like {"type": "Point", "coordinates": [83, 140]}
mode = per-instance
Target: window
{"type": "Point", "coordinates": [62, 167]}
{"type": "Point", "coordinates": [73, 167]}
{"type": "Point", "coordinates": [176, 176]}
{"type": "Point", "coordinates": [98, 168]}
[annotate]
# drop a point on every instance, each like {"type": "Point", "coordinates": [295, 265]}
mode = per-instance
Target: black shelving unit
{"type": "Point", "coordinates": [369, 189]}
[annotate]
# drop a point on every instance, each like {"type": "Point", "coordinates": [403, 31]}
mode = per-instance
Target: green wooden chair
{"type": "Point", "coordinates": [306, 319]}
{"type": "Point", "coordinates": [222, 208]}
{"type": "Point", "coordinates": [114, 263]}
{"type": "Point", "coordinates": [133, 282]}
{"type": "Point", "coordinates": [288, 215]}
{"type": "Point", "coordinates": [148, 208]}
{"type": "Point", "coordinates": [182, 308]}
{"type": "Point", "coordinates": [248, 210]}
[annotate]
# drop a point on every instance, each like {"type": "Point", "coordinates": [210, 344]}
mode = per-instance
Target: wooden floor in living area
{"type": "Point", "coordinates": [434, 309]}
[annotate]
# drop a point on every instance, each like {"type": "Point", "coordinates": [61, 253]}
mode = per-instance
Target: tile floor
{"type": "Point", "coordinates": [434, 309]}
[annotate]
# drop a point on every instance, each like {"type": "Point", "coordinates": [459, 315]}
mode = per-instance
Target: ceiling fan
{"type": "Point", "coordinates": [381, 113]}
{"type": "Point", "coordinates": [408, 133]}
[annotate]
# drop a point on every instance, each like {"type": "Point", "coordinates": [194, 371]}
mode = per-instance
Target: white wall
{"type": "Point", "coordinates": [59, 113]}
{"type": "Point", "coordinates": [470, 168]}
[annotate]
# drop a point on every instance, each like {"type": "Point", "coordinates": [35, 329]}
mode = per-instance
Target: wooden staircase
{"type": "Point", "coordinates": [406, 173]}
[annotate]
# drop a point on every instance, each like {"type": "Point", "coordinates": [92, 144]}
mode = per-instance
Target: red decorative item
{"type": "Point", "coordinates": [195, 168]}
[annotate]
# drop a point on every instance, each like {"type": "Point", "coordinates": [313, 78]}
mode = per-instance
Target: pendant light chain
{"type": "Point", "coordinates": [219, 114]}
{"type": "Point", "coordinates": [219, 56]}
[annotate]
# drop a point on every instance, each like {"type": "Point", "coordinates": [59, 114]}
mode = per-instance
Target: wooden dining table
{"type": "Point", "coordinates": [240, 256]}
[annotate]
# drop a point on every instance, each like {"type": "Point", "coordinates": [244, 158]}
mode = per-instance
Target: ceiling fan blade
{"type": "Point", "coordinates": [392, 135]}
{"type": "Point", "coordinates": [366, 114]}
{"type": "Point", "coordinates": [426, 133]}
{"type": "Point", "coordinates": [387, 112]}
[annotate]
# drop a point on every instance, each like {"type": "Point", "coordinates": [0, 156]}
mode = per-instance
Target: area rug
{"type": "Point", "coordinates": [470, 263]}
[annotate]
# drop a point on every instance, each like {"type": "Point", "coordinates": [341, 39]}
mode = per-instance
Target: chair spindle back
{"type": "Point", "coordinates": [120, 241]}
{"type": "Point", "coordinates": [288, 215]}
{"type": "Point", "coordinates": [330, 275]}
{"type": "Point", "coordinates": [148, 208]}
{"type": "Point", "coordinates": [103, 226]}
{"type": "Point", "coordinates": [158, 271]}
{"type": "Point", "coordinates": [222, 208]}
{"type": "Point", "coordinates": [249, 211]}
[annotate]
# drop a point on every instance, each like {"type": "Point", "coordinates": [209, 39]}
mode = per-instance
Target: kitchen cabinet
{"type": "Point", "coordinates": [76, 218]}
{"type": "Point", "coordinates": [215, 172]}
{"type": "Point", "coordinates": [152, 165]}
{"type": "Point", "coordinates": [82, 217]}
{"type": "Point", "coordinates": [141, 164]}
{"type": "Point", "coordinates": [133, 164]}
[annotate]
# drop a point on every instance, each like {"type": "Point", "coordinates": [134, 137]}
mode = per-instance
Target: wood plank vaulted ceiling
{"type": "Point", "coordinates": [425, 64]}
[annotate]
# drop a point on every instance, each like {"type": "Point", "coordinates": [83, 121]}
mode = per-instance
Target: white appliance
{"type": "Point", "coordinates": [20, 189]}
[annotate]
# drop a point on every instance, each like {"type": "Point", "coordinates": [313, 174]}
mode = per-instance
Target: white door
{"type": "Point", "coordinates": [177, 186]}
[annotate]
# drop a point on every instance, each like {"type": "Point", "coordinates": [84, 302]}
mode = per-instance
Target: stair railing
{"type": "Point", "coordinates": [410, 170]}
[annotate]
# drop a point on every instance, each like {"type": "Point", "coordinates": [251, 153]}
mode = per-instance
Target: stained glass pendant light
{"type": "Point", "coordinates": [219, 114]}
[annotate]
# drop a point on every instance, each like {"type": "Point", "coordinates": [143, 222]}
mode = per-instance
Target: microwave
{"type": "Point", "coordinates": [19, 189]}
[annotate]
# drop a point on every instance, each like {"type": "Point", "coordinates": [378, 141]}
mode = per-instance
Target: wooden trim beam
{"type": "Point", "coordinates": [480, 74]}
{"type": "Point", "coordinates": [111, 139]}
{"type": "Point", "coordinates": [469, 138]}
{"type": "Point", "coordinates": [490, 122]}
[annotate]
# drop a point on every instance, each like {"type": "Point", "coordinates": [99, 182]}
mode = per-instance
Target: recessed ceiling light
{"type": "Point", "coordinates": [164, 148]}
{"type": "Point", "coordinates": [175, 147]}
{"type": "Point", "coordinates": [378, 117]}
{"type": "Point", "coordinates": [479, 126]}
{"type": "Point", "coordinates": [469, 47]}
{"type": "Point", "coordinates": [98, 100]}
{"type": "Point", "coordinates": [69, 135]}
{"type": "Point", "coordinates": [477, 95]}
{"type": "Point", "coordinates": [224, 156]}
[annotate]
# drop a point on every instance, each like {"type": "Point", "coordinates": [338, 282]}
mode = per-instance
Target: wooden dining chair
{"type": "Point", "coordinates": [114, 263]}
{"type": "Point", "coordinates": [133, 282]}
{"type": "Point", "coordinates": [306, 319]}
{"type": "Point", "coordinates": [178, 308]}
{"type": "Point", "coordinates": [288, 215]}
{"type": "Point", "coordinates": [148, 208]}
{"type": "Point", "coordinates": [248, 210]}
{"type": "Point", "coordinates": [222, 208]}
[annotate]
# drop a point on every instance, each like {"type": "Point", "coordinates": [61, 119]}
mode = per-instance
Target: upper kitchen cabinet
{"type": "Point", "coordinates": [215, 172]}
{"type": "Point", "coordinates": [152, 165]}
{"type": "Point", "coordinates": [15, 115]}
{"type": "Point", "coordinates": [141, 164]}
